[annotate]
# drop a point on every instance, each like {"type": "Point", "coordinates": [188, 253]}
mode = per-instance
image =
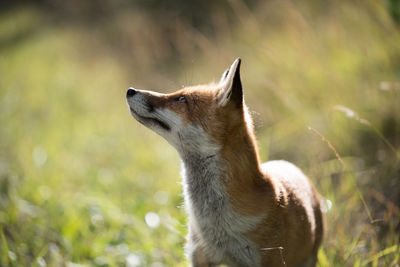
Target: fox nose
{"type": "Point", "coordinates": [131, 92]}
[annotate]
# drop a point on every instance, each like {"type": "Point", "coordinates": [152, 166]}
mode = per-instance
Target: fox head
{"type": "Point", "coordinates": [197, 119]}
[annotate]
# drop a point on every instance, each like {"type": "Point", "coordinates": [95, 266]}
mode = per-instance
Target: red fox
{"type": "Point", "coordinates": [241, 212]}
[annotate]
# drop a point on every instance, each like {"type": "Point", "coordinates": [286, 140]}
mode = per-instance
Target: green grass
{"type": "Point", "coordinates": [78, 175]}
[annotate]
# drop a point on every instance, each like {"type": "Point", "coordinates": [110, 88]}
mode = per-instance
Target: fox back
{"type": "Point", "coordinates": [241, 212]}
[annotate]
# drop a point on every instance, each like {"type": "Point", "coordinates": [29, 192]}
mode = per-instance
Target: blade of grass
{"type": "Point", "coordinates": [4, 257]}
{"type": "Point", "coordinates": [329, 145]}
{"type": "Point", "coordinates": [354, 115]}
{"type": "Point", "coordinates": [41, 253]}
{"type": "Point", "coordinates": [322, 258]}
{"type": "Point", "coordinates": [380, 254]}
{"type": "Point", "coordinates": [353, 245]}
{"type": "Point", "coordinates": [357, 263]}
{"type": "Point", "coordinates": [371, 219]}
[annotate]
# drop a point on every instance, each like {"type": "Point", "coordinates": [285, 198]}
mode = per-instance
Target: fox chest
{"type": "Point", "coordinates": [217, 228]}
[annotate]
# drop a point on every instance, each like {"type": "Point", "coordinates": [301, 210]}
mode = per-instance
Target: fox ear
{"type": "Point", "coordinates": [231, 86]}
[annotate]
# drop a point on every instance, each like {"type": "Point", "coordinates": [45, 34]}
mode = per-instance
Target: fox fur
{"type": "Point", "coordinates": [241, 212]}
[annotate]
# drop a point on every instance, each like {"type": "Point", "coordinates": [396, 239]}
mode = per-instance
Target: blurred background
{"type": "Point", "coordinates": [83, 184]}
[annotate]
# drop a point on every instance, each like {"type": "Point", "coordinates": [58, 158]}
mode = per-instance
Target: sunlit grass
{"type": "Point", "coordinates": [82, 182]}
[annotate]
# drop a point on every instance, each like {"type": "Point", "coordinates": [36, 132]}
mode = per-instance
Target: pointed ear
{"type": "Point", "coordinates": [231, 86]}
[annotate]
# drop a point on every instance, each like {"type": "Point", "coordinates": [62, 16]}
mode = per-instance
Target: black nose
{"type": "Point", "coordinates": [131, 92]}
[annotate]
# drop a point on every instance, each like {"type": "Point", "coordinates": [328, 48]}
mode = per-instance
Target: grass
{"type": "Point", "coordinates": [82, 183]}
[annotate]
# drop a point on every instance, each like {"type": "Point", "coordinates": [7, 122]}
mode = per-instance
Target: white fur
{"type": "Point", "coordinates": [214, 226]}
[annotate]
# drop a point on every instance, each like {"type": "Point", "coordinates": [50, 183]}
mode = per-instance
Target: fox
{"type": "Point", "coordinates": [241, 212]}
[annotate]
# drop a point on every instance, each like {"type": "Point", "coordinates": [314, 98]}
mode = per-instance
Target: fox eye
{"type": "Point", "coordinates": [180, 98]}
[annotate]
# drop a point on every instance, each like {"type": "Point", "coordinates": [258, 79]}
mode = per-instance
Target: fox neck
{"type": "Point", "coordinates": [211, 170]}
{"type": "Point", "coordinates": [212, 214]}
